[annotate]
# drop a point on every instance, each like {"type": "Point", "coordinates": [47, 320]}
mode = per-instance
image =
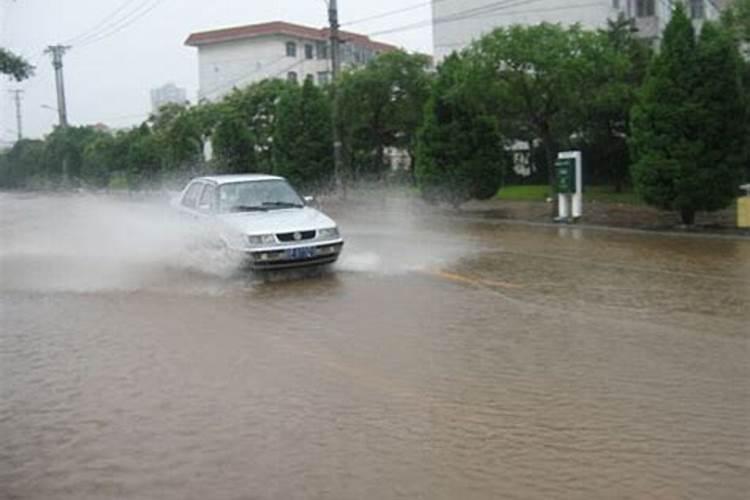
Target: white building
{"type": "Point", "coordinates": [235, 57]}
{"type": "Point", "coordinates": [167, 94]}
{"type": "Point", "coordinates": [457, 23]}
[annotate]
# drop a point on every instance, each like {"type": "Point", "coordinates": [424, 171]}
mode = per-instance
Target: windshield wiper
{"type": "Point", "coordinates": [247, 208]}
{"type": "Point", "coordinates": [281, 204]}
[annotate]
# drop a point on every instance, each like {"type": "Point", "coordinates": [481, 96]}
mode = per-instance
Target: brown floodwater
{"type": "Point", "coordinates": [441, 358]}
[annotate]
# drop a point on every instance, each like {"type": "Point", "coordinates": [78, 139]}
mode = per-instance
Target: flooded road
{"type": "Point", "coordinates": [442, 358]}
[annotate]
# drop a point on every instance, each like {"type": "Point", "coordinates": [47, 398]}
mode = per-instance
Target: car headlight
{"type": "Point", "coordinates": [261, 239]}
{"type": "Point", "coordinates": [328, 233]}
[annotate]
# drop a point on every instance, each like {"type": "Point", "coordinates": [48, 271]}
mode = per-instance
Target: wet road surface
{"type": "Point", "coordinates": [442, 358]}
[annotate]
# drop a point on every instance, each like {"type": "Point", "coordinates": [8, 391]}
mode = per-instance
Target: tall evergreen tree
{"type": "Point", "coordinates": [722, 113]}
{"type": "Point", "coordinates": [606, 117]}
{"type": "Point", "coordinates": [302, 140]}
{"type": "Point", "coordinates": [460, 152]}
{"type": "Point", "coordinates": [686, 124]}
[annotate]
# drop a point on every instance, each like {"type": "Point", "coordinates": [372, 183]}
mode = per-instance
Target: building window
{"type": "Point", "coordinates": [367, 55]}
{"type": "Point", "coordinates": [615, 4]}
{"type": "Point", "coordinates": [324, 77]}
{"type": "Point", "coordinates": [309, 51]}
{"type": "Point", "coordinates": [697, 9]}
{"type": "Point", "coordinates": [321, 50]}
{"type": "Point", "coordinates": [345, 50]}
{"type": "Point", "coordinates": [291, 49]}
{"type": "Point", "coordinates": [292, 76]}
{"type": "Point", "coordinates": [645, 8]}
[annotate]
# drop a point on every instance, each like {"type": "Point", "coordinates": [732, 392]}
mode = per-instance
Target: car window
{"type": "Point", "coordinates": [208, 199]}
{"type": "Point", "coordinates": [190, 199]}
{"type": "Point", "coordinates": [268, 195]}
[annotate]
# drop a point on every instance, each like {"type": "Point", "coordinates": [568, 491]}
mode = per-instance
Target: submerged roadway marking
{"type": "Point", "coordinates": [460, 278]}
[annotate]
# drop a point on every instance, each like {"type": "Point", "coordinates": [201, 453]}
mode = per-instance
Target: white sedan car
{"type": "Point", "coordinates": [263, 217]}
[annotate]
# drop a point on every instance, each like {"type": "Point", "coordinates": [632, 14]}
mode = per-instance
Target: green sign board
{"type": "Point", "coordinates": [566, 175]}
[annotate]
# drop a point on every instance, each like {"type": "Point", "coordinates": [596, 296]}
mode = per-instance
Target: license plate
{"type": "Point", "coordinates": [300, 253]}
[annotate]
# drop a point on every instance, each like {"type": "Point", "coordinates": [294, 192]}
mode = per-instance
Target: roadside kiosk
{"type": "Point", "coordinates": [743, 208]}
{"type": "Point", "coordinates": [569, 186]}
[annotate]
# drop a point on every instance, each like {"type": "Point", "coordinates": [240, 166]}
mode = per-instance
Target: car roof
{"type": "Point", "coordinates": [227, 179]}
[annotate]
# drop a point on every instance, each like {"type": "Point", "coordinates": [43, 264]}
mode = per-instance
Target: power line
{"type": "Point", "coordinates": [101, 24]}
{"type": "Point", "coordinates": [551, 9]}
{"type": "Point", "coordinates": [125, 22]}
{"type": "Point", "coordinates": [458, 16]}
{"type": "Point", "coordinates": [116, 27]}
{"type": "Point", "coordinates": [115, 23]}
{"type": "Point", "coordinates": [390, 13]}
{"type": "Point", "coordinates": [450, 17]}
{"type": "Point", "coordinates": [242, 76]}
{"type": "Point", "coordinates": [475, 11]}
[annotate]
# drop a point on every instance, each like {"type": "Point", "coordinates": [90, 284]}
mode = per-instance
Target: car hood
{"type": "Point", "coordinates": [277, 221]}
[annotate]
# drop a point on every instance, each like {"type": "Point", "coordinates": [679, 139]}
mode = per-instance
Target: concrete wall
{"type": "Point", "coordinates": [223, 66]}
{"type": "Point", "coordinates": [456, 24]}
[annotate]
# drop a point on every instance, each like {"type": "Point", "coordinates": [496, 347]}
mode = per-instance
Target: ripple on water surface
{"type": "Point", "coordinates": [489, 362]}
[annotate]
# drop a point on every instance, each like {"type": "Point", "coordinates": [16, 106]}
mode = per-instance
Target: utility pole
{"type": "Point", "coordinates": [57, 52]}
{"type": "Point", "coordinates": [333, 18]}
{"type": "Point", "coordinates": [19, 120]}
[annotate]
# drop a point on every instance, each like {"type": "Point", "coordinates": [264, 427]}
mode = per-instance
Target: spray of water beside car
{"type": "Point", "coordinates": [263, 219]}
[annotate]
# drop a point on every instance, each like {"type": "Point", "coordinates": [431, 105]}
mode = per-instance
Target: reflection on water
{"type": "Point", "coordinates": [439, 359]}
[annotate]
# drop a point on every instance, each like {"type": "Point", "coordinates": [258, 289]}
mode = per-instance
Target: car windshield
{"type": "Point", "coordinates": [257, 195]}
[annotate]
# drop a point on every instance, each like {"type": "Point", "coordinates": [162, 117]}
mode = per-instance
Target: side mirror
{"type": "Point", "coordinates": [309, 200]}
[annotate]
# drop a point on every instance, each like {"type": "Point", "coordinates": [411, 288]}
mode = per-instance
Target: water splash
{"type": "Point", "coordinates": [93, 243]}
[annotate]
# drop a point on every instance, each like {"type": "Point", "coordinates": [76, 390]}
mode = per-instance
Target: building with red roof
{"type": "Point", "coordinates": [235, 57]}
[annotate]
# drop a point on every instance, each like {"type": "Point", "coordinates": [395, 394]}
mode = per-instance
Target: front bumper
{"type": "Point", "coordinates": [280, 258]}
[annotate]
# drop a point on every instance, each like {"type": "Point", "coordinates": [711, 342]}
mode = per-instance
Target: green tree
{"type": "Point", "coordinates": [243, 137]}
{"type": "Point", "coordinates": [737, 19]}
{"type": "Point", "coordinates": [234, 142]}
{"type": "Point", "coordinates": [63, 153]}
{"type": "Point", "coordinates": [144, 157]}
{"type": "Point", "coordinates": [460, 154]}
{"type": "Point", "coordinates": [543, 78]}
{"type": "Point", "coordinates": [381, 106]}
{"type": "Point", "coordinates": [302, 137]}
{"type": "Point", "coordinates": [14, 66]}
{"type": "Point", "coordinates": [606, 125]}
{"type": "Point", "coordinates": [183, 132]}
{"type": "Point", "coordinates": [688, 127]}
{"type": "Point", "coordinates": [20, 166]}
{"type": "Point", "coordinates": [104, 158]}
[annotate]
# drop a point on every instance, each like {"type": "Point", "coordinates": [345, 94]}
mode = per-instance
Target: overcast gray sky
{"type": "Point", "coordinates": [108, 80]}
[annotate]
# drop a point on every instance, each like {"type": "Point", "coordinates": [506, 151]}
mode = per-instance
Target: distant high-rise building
{"type": "Point", "coordinates": [457, 24]}
{"type": "Point", "coordinates": [235, 57]}
{"type": "Point", "coordinates": [167, 94]}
